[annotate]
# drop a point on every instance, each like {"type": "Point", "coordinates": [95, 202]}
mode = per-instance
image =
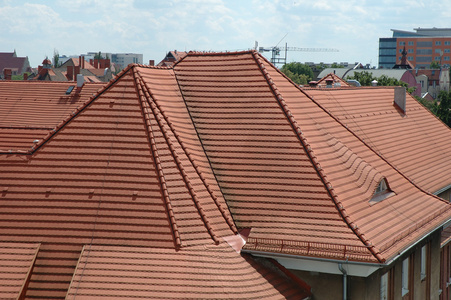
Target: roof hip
{"type": "Point", "coordinates": [278, 96]}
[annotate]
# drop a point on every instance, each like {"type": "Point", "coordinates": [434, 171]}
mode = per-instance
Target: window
{"type": "Point", "coordinates": [446, 50]}
{"type": "Point", "coordinates": [405, 276]}
{"type": "Point", "coordinates": [410, 51]}
{"type": "Point", "coordinates": [411, 43]}
{"type": "Point", "coordinates": [446, 58]}
{"type": "Point", "coordinates": [410, 58]}
{"type": "Point", "coordinates": [382, 187]}
{"type": "Point", "coordinates": [402, 43]}
{"type": "Point", "coordinates": [438, 43]}
{"type": "Point", "coordinates": [438, 51]}
{"type": "Point", "coordinates": [447, 43]}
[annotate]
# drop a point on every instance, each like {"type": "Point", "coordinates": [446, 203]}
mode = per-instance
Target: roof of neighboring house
{"type": "Point", "coordinates": [416, 143]}
{"type": "Point", "coordinates": [340, 72]}
{"type": "Point", "coordinates": [293, 173]}
{"type": "Point", "coordinates": [335, 80]}
{"type": "Point", "coordinates": [431, 74]}
{"type": "Point", "coordinates": [117, 173]}
{"type": "Point", "coordinates": [9, 60]}
{"type": "Point", "coordinates": [171, 57]}
{"type": "Point", "coordinates": [30, 109]}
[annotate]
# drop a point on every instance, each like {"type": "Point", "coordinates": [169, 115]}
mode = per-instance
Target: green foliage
{"type": "Point", "coordinates": [56, 57]}
{"type": "Point", "coordinates": [336, 66]}
{"type": "Point", "coordinates": [435, 65]}
{"type": "Point", "coordinates": [19, 77]}
{"type": "Point", "coordinates": [298, 72]}
{"type": "Point", "coordinates": [444, 107]}
{"type": "Point", "coordinates": [365, 78]}
{"type": "Point", "coordinates": [98, 55]}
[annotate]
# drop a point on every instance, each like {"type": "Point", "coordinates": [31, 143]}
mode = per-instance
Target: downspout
{"type": "Point", "coordinates": [345, 280]}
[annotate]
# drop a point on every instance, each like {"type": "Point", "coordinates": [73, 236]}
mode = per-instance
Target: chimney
{"type": "Point", "coordinates": [80, 80]}
{"type": "Point", "coordinates": [151, 62]}
{"type": "Point", "coordinates": [76, 72]}
{"type": "Point", "coordinates": [91, 62]}
{"type": "Point", "coordinates": [7, 74]}
{"type": "Point", "coordinates": [40, 69]}
{"type": "Point", "coordinates": [96, 63]}
{"type": "Point", "coordinates": [70, 73]}
{"type": "Point", "coordinates": [400, 98]}
{"type": "Point", "coordinates": [25, 76]}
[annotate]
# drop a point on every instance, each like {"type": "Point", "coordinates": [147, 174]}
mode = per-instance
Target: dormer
{"type": "Point", "coordinates": [381, 192]}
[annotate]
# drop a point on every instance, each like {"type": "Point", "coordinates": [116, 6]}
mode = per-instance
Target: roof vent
{"type": "Point", "coordinates": [400, 98]}
{"type": "Point", "coordinates": [374, 82]}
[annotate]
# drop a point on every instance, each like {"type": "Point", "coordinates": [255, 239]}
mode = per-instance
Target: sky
{"type": "Point", "coordinates": [152, 27]}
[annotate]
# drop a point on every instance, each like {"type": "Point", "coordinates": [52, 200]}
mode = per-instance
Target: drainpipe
{"type": "Point", "coordinates": [345, 280]}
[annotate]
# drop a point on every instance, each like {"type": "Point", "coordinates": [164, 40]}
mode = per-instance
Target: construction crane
{"type": "Point", "coordinates": [276, 59]}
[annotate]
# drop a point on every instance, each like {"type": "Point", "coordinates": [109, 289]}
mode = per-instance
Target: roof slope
{"type": "Point", "coordinates": [289, 171]}
{"type": "Point", "coordinates": [113, 173]}
{"type": "Point", "coordinates": [264, 171]}
{"type": "Point", "coordinates": [16, 264]}
{"type": "Point", "coordinates": [370, 113]}
{"type": "Point", "coordinates": [29, 110]}
{"type": "Point", "coordinates": [210, 272]}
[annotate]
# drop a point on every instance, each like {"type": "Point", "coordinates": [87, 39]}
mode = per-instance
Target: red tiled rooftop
{"type": "Point", "coordinates": [416, 142]}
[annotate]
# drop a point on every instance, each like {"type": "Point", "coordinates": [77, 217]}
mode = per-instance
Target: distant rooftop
{"type": "Point", "coordinates": [423, 32]}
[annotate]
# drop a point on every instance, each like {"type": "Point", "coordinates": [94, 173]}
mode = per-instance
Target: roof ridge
{"type": "Point", "coordinates": [145, 106]}
{"type": "Point", "coordinates": [223, 211]}
{"type": "Point", "coordinates": [258, 58]}
{"type": "Point", "coordinates": [156, 111]}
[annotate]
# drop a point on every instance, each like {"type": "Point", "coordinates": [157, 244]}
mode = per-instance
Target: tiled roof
{"type": "Point", "coordinates": [16, 264]}
{"type": "Point", "coordinates": [416, 142]}
{"type": "Point", "coordinates": [29, 110]}
{"type": "Point", "coordinates": [115, 172]}
{"type": "Point", "coordinates": [209, 272]}
{"type": "Point", "coordinates": [8, 60]}
{"type": "Point", "coordinates": [291, 172]}
{"type": "Point", "coordinates": [332, 77]}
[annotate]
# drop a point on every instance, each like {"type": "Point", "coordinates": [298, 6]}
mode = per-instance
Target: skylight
{"type": "Point", "coordinates": [69, 89]}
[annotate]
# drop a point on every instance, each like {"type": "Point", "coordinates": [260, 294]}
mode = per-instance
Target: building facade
{"type": "Point", "coordinates": [424, 46]}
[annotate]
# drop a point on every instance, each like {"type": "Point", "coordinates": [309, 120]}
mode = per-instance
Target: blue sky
{"type": "Point", "coordinates": [37, 28]}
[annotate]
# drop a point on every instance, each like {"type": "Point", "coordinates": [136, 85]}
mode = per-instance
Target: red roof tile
{"type": "Point", "coordinates": [212, 272]}
{"type": "Point", "coordinates": [16, 264]}
{"type": "Point", "coordinates": [416, 143]}
{"type": "Point", "coordinates": [29, 110]}
{"type": "Point", "coordinates": [115, 172]}
{"type": "Point", "coordinates": [279, 157]}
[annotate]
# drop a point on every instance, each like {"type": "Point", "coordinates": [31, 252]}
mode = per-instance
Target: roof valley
{"type": "Point", "coordinates": [308, 150]}
{"type": "Point", "coordinates": [223, 211]}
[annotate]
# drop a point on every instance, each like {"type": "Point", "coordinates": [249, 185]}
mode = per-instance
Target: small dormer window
{"type": "Point", "coordinates": [382, 187]}
{"type": "Point", "coordinates": [381, 192]}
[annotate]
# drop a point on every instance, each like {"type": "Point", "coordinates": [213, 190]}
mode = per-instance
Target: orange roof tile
{"type": "Point", "coordinates": [115, 172]}
{"type": "Point", "coordinates": [29, 110]}
{"type": "Point", "coordinates": [279, 157]}
{"type": "Point", "coordinates": [16, 264]}
{"type": "Point", "coordinates": [416, 143]}
{"type": "Point", "coordinates": [211, 272]}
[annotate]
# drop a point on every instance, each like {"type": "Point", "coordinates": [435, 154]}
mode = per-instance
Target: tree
{"type": "Point", "coordinates": [298, 72]}
{"type": "Point", "coordinates": [435, 65]}
{"type": "Point", "coordinates": [444, 107]}
{"type": "Point", "coordinates": [336, 66]}
{"type": "Point", "coordinates": [98, 55]}
{"type": "Point", "coordinates": [56, 57]}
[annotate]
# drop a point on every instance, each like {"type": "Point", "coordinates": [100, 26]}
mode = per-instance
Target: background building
{"type": "Point", "coordinates": [423, 46]}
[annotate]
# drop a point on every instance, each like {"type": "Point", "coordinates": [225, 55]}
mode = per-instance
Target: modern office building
{"type": "Point", "coordinates": [423, 47]}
